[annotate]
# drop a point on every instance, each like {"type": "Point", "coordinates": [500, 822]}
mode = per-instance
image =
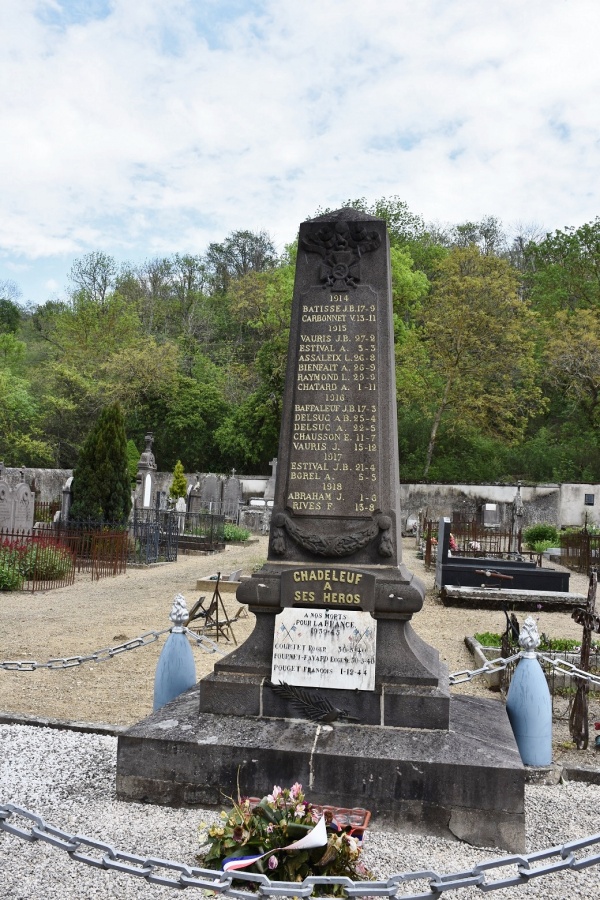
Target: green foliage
{"type": "Point", "coordinates": [234, 533]}
{"type": "Point", "coordinates": [540, 532]}
{"type": "Point", "coordinates": [10, 316]}
{"type": "Point", "coordinates": [497, 349]}
{"type": "Point", "coordinates": [542, 546]}
{"type": "Point", "coordinates": [179, 484]}
{"type": "Point", "coordinates": [22, 560]}
{"type": "Point", "coordinates": [267, 827]}
{"type": "Point", "coordinates": [558, 645]}
{"type": "Point", "coordinates": [133, 458]}
{"type": "Point", "coordinates": [101, 486]}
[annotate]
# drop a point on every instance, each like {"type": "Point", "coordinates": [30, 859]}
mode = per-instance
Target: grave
{"type": "Point", "coordinates": [16, 506]}
{"type": "Point", "coordinates": [334, 688]}
{"type": "Point", "coordinates": [490, 573]}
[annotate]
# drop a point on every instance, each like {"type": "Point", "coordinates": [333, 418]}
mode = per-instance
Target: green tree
{"type": "Point", "coordinates": [480, 343]}
{"type": "Point", "coordinates": [179, 484]}
{"type": "Point", "coordinates": [565, 269]}
{"type": "Point", "coordinates": [133, 458]}
{"type": "Point", "coordinates": [101, 486]}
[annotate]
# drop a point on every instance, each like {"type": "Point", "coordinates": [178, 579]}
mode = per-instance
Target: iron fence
{"type": "Point", "coordinates": [579, 550]}
{"type": "Point", "coordinates": [202, 532]}
{"type": "Point", "coordinates": [475, 540]}
{"type": "Point", "coordinates": [35, 561]}
{"type": "Point", "coordinates": [561, 685]}
{"type": "Point", "coordinates": [154, 536]}
{"type": "Point", "coordinates": [44, 511]}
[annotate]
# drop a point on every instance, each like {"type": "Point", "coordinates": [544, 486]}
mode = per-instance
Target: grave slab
{"type": "Point", "coordinates": [466, 782]}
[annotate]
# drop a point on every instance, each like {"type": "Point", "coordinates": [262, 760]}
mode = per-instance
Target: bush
{"type": "Point", "coordinates": [46, 562]}
{"type": "Point", "coordinates": [542, 546]}
{"type": "Point", "coordinates": [10, 578]}
{"type": "Point", "coordinates": [557, 645]}
{"type": "Point", "coordinates": [235, 533]}
{"type": "Point", "coordinates": [541, 532]}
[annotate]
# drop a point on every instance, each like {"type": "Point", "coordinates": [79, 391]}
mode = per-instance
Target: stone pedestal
{"type": "Point", "coordinates": [466, 782]}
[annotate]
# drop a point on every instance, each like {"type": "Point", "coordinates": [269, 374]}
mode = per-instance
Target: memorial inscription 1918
{"type": "Point", "coordinates": [334, 464]}
{"type": "Point", "coordinates": [334, 549]}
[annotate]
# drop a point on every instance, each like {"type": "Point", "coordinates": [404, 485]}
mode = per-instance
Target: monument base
{"type": "Point", "coordinates": [465, 783]}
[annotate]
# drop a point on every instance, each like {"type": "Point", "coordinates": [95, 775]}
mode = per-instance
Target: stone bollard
{"type": "Point", "coordinates": [176, 670]}
{"type": "Point", "coordinates": [528, 704]}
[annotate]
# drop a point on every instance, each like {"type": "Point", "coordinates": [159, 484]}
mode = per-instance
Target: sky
{"type": "Point", "coordinates": [143, 128]}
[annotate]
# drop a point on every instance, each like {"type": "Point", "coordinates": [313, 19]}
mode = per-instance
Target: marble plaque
{"type": "Point", "coordinates": [325, 648]}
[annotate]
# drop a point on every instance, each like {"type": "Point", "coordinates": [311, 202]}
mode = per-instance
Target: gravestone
{"type": "Point", "coordinates": [270, 487]}
{"type": "Point", "coordinates": [146, 475]}
{"type": "Point", "coordinates": [23, 507]}
{"type": "Point", "coordinates": [333, 640]}
{"type": "Point", "coordinates": [6, 506]}
{"type": "Point", "coordinates": [211, 493]}
{"type": "Point", "coordinates": [16, 507]}
{"type": "Point", "coordinates": [232, 495]}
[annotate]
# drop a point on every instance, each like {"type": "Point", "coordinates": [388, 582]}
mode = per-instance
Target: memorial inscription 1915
{"type": "Point", "coordinates": [334, 463]}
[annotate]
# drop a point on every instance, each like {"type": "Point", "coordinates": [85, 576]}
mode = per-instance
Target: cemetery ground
{"type": "Point", "coordinates": [89, 616]}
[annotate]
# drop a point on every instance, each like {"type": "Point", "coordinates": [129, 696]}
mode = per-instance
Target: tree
{"type": "Point", "coordinates": [94, 276]}
{"type": "Point", "coordinates": [10, 315]}
{"type": "Point", "coordinates": [565, 269]}
{"type": "Point", "coordinates": [179, 485]}
{"type": "Point", "coordinates": [133, 458]}
{"type": "Point", "coordinates": [101, 486]}
{"type": "Point", "coordinates": [241, 252]}
{"type": "Point", "coordinates": [480, 343]}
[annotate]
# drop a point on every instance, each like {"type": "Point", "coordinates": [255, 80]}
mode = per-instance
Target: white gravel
{"type": "Point", "coordinates": [68, 778]}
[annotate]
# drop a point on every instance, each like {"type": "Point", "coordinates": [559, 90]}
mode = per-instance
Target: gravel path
{"type": "Point", "coordinates": [69, 777]}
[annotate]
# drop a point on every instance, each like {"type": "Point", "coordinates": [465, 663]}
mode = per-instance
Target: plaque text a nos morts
{"type": "Point", "coordinates": [335, 533]}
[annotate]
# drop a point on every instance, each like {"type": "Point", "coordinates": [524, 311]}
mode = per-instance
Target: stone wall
{"type": "Point", "coordinates": [560, 504]}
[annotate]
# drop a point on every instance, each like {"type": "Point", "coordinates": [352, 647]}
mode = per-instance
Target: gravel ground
{"type": "Point", "coordinates": [68, 777]}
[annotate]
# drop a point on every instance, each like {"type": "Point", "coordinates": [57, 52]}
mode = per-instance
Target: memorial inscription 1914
{"type": "Point", "coordinates": [333, 687]}
{"type": "Point", "coordinates": [334, 541]}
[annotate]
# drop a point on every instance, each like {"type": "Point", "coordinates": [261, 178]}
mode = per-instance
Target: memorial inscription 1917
{"type": "Point", "coordinates": [334, 549]}
{"type": "Point", "coordinates": [334, 464]}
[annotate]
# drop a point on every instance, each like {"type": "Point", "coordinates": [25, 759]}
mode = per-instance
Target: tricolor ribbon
{"type": "Point", "coordinates": [316, 837]}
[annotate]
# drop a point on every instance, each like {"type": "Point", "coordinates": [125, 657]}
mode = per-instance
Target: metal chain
{"type": "Point", "coordinates": [492, 665]}
{"type": "Point", "coordinates": [567, 668]}
{"type": "Point", "coordinates": [70, 662]}
{"type": "Point", "coordinates": [180, 875]}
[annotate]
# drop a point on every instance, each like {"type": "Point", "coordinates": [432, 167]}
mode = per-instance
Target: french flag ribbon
{"type": "Point", "coordinates": [316, 837]}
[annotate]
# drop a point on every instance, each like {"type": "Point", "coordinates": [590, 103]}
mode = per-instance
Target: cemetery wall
{"type": "Point", "coordinates": [49, 482]}
{"type": "Point", "coordinates": [560, 504]}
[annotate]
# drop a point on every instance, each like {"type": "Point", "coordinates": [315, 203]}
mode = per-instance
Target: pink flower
{"type": "Point", "coordinates": [300, 810]}
{"type": "Point", "coordinates": [270, 828]}
{"type": "Point", "coordinates": [296, 789]}
{"type": "Point", "coordinates": [272, 798]}
{"type": "Point", "coordinates": [273, 862]}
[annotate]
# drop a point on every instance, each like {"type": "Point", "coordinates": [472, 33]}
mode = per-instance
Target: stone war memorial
{"type": "Point", "coordinates": [334, 688]}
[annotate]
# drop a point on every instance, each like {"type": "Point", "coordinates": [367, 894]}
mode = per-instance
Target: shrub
{"type": "Point", "coordinates": [179, 484]}
{"type": "Point", "coordinates": [46, 562]}
{"type": "Point", "coordinates": [541, 532]}
{"type": "Point", "coordinates": [10, 578]}
{"type": "Point", "coordinates": [234, 533]}
{"type": "Point", "coordinates": [542, 546]}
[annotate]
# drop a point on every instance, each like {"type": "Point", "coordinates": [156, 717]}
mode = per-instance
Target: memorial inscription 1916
{"type": "Point", "coordinates": [334, 455]}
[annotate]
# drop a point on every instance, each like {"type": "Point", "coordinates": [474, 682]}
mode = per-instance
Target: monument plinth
{"type": "Point", "coordinates": [335, 537]}
{"type": "Point", "coordinates": [334, 688]}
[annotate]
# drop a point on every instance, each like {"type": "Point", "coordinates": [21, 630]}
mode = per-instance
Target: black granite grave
{"type": "Point", "coordinates": [488, 572]}
{"type": "Point", "coordinates": [403, 747]}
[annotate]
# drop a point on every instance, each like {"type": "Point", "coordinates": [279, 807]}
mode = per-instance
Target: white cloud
{"type": "Point", "coordinates": [144, 128]}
